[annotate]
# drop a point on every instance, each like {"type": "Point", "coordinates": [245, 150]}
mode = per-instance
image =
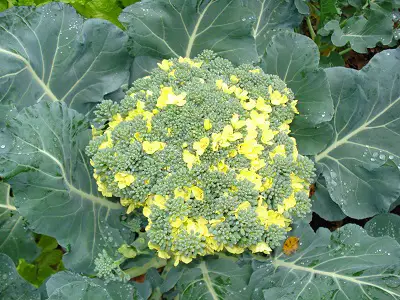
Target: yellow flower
{"type": "Point", "coordinates": [232, 153]}
{"type": "Point", "coordinates": [212, 245]}
{"type": "Point", "coordinates": [124, 179]}
{"type": "Point", "coordinates": [255, 71]}
{"type": "Point", "coordinates": [289, 202]}
{"type": "Point", "coordinates": [207, 124]}
{"type": "Point", "coordinates": [236, 123]}
{"type": "Point", "coordinates": [250, 148]}
{"type": "Point", "coordinates": [101, 186]}
{"type": "Point", "coordinates": [163, 254]}
{"type": "Point", "coordinates": [267, 136]}
{"type": "Point", "coordinates": [261, 247]}
{"type": "Point", "coordinates": [172, 73]}
{"type": "Point", "coordinates": [148, 116]}
{"type": "Point", "coordinates": [278, 150]}
{"type": "Point", "coordinates": [276, 97]}
{"type": "Point", "coordinates": [229, 135]}
{"type": "Point", "coordinates": [257, 164]}
{"type": "Point", "coordinates": [248, 104]}
{"type": "Point", "coordinates": [108, 143]}
{"type": "Point", "coordinates": [217, 221]}
{"type": "Point", "coordinates": [152, 147]}
{"type": "Point", "coordinates": [198, 193]}
{"type": "Point", "coordinates": [268, 183]}
{"type": "Point", "coordinates": [234, 79]}
{"type": "Point", "coordinates": [270, 217]}
{"type": "Point", "coordinates": [182, 192]}
{"type": "Point", "coordinates": [130, 203]}
{"type": "Point", "coordinates": [241, 94]}
{"type": "Point", "coordinates": [96, 132]}
{"type": "Point", "coordinates": [251, 176]}
{"type": "Point", "coordinates": [190, 159]}
{"type": "Point", "coordinates": [177, 222]}
{"type": "Point", "coordinates": [222, 167]}
{"type": "Point", "coordinates": [165, 65]}
{"type": "Point", "coordinates": [296, 182]}
{"type": "Point", "coordinates": [137, 136]}
{"type": "Point", "coordinates": [167, 96]}
{"type": "Point", "coordinates": [262, 106]}
{"type": "Point", "coordinates": [234, 249]}
{"type": "Point", "coordinates": [146, 211]}
{"type": "Point", "coordinates": [159, 200]}
{"type": "Point", "coordinates": [293, 106]}
{"type": "Point", "coordinates": [259, 119]}
{"type": "Point", "coordinates": [201, 146]}
{"type": "Point", "coordinates": [190, 62]}
{"type": "Point", "coordinates": [224, 87]}
{"type": "Point", "coordinates": [243, 206]}
{"type": "Point", "coordinates": [183, 259]}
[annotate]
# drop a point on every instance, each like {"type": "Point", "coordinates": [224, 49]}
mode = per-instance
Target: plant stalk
{"type": "Point", "coordinates": [310, 28]}
{"type": "Point", "coordinates": [345, 51]}
{"type": "Point", "coordinates": [155, 262]}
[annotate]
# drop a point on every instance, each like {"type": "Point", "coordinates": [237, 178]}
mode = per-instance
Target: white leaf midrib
{"type": "Point", "coordinates": [70, 186]}
{"type": "Point", "coordinates": [34, 75]}
{"type": "Point", "coordinates": [361, 128]}
{"type": "Point", "coordinates": [280, 263]}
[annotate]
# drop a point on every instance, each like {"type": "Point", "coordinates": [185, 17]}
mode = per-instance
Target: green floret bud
{"type": "Point", "coordinates": [105, 110]}
{"type": "Point", "coordinates": [275, 236]}
{"type": "Point", "coordinates": [108, 269]}
{"type": "Point", "coordinates": [303, 205]}
{"type": "Point", "coordinates": [202, 148]}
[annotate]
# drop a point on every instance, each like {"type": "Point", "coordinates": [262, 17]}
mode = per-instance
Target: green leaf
{"type": "Point", "coordinates": [163, 28]}
{"type": "Point", "coordinates": [313, 140]}
{"type": "Point", "coordinates": [44, 161]}
{"type": "Point", "coordinates": [51, 53]}
{"type": "Point", "coordinates": [213, 278]}
{"type": "Point", "coordinates": [333, 60]}
{"type": "Point", "coordinates": [323, 205]}
{"type": "Point", "coordinates": [15, 239]}
{"type": "Point", "coordinates": [48, 263]}
{"type": "Point", "coordinates": [328, 10]}
{"type": "Point", "coordinates": [360, 163]}
{"type": "Point", "coordinates": [295, 59]}
{"type": "Point", "coordinates": [302, 6]}
{"type": "Point", "coordinates": [142, 66]}
{"type": "Point", "coordinates": [384, 225]}
{"type": "Point", "coordinates": [345, 264]}
{"type": "Point", "coordinates": [67, 285]}
{"type": "Point", "coordinates": [12, 286]}
{"type": "Point", "coordinates": [272, 15]}
{"type": "Point", "coordinates": [362, 32]}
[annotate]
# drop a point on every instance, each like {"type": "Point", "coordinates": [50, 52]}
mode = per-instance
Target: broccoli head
{"type": "Point", "coordinates": [203, 149]}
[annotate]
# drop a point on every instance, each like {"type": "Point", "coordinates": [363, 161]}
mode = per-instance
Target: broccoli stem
{"type": "Point", "coordinates": [310, 28]}
{"type": "Point", "coordinates": [155, 262]}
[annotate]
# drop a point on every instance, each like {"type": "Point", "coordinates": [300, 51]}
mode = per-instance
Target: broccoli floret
{"type": "Point", "coordinates": [203, 148]}
{"type": "Point", "coordinates": [108, 269]}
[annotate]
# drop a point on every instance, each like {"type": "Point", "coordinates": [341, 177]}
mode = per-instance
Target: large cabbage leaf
{"type": "Point", "coordinates": [67, 285]}
{"type": "Point", "coordinates": [52, 53]}
{"type": "Point", "coordinates": [163, 28]}
{"type": "Point", "coordinates": [15, 239]}
{"type": "Point", "coordinates": [271, 16]}
{"type": "Point", "coordinates": [295, 59]}
{"type": "Point", "coordinates": [12, 286]}
{"type": "Point", "coordinates": [361, 162]}
{"type": "Point", "coordinates": [44, 161]}
{"type": "Point", "coordinates": [345, 264]}
{"type": "Point", "coordinates": [210, 279]}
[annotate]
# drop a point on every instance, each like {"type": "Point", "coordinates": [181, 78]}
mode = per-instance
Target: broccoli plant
{"type": "Point", "coordinates": [203, 148]}
{"type": "Point", "coordinates": [197, 153]}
